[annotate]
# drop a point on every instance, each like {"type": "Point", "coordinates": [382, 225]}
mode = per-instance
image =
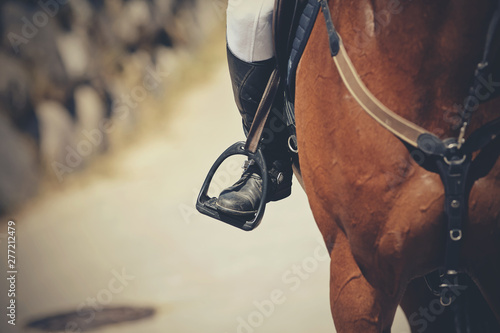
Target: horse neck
{"type": "Point", "coordinates": [418, 57]}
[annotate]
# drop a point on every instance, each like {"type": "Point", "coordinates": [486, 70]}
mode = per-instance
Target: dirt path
{"type": "Point", "coordinates": [133, 239]}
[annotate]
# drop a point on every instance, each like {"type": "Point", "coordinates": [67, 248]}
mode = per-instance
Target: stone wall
{"type": "Point", "coordinates": [71, 67]}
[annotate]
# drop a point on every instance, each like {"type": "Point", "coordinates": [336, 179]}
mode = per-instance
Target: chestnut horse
{"type": "Point", "coordinates": [381, 214]}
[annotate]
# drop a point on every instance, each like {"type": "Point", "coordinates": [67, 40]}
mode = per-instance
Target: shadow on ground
{"type": "Point", "coordinates": [89, 319]}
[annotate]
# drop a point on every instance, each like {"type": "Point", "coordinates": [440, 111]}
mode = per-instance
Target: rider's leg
{"type": "Point", "coordinates": [251, 61]}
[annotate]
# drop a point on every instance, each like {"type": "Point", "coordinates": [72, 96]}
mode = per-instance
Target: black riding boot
{"type": "Point", "coordinates": [243, 198]}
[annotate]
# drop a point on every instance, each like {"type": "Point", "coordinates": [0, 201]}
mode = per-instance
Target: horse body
{"type": "Point", "coordinates": [380, 213]}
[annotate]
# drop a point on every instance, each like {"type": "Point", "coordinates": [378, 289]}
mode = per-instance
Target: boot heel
{"type": "Point", "coordinates": [282, 194]}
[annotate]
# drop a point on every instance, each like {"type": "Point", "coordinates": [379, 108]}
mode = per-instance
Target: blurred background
{"type": "Point", "coordinates": [111, 114]}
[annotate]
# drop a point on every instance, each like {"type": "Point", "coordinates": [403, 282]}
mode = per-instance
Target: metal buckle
{"type": "Point", "coordinates": [443, 298]}
{"type": "Point", "coordinates": [292, 144]}
{"type": "Point", "coordinates": [457, 162]}
{"type": "Point", "coordinates": [446, 286]}
{"type": "Point", "coordinates": [456, 235]}
{"type": "Point", "coordinates": [451, 146]}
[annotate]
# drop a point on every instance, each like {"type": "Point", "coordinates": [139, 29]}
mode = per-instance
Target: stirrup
{"type": "Point", "coordinates": [206, 205]}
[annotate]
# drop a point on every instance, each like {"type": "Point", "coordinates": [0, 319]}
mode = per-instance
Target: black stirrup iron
{"type": "Point", "coordinates": [206, 205]}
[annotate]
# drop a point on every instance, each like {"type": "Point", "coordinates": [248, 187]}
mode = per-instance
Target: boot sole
{"type": "Point", "coordinates": [233, 212]}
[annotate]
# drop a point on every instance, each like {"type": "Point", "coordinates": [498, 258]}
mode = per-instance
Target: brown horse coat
{"type": "Point", "coordinates": [380, 213]}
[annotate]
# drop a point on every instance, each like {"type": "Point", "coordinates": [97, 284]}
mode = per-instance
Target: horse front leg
{"type": "Point", "coordinates": [356, 305]}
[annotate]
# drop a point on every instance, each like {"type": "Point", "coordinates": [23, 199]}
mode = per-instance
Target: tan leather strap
{"type": "Point", "coordinates": [262, 113]}
{"type": "Point", "coordinates": [402, 128]}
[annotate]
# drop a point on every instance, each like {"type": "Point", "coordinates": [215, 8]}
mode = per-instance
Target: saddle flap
{"type": "Point", "coordinates": [285, 21]}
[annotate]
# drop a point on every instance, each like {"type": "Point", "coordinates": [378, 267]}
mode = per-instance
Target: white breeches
{"type": "Point", "coordinates": [249, 29]}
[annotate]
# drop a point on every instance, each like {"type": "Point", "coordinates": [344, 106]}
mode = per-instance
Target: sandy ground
{"type": "Point", "coordinates": [198, 274]}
